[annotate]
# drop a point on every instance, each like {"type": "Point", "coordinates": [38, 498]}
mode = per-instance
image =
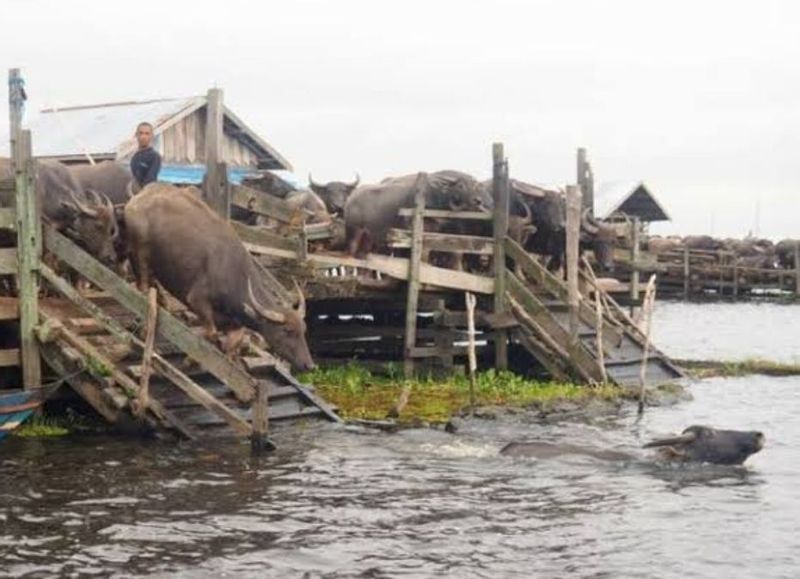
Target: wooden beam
{"type": "Point", "coordinates": [264, 237]}
{"type": "Point", "coordinates": [635, 247]}
{"type": "Point", "coordinates": [502, 195]}
{"type": "Point", "coordinates": [9, 357]}
{"type": "Point", "coordinates": [573, 233]}
{"type": "Point", "coordinates": [412, 294]}
{"type": "Point", "coordinates": [446, 214]}
{"type": "Point", "coordinates": [169, 327]}
{"type": "Point", "coordinates": [215, 182]}
{"type": "Point", "coordinates": [9, 261]}
{"type": "Point", "coordinates": [9, 309]}
{"type": "Point", "coordinates": [28, 254]}
{"type": "Point", "coordinates": [474, 244]}
{"type": "Point", "coordinates": [8, 218]}
{"type": "Point", "coordinates": [262, 203]}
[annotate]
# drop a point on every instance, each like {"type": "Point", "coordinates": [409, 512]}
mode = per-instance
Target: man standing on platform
{"type": "Point", "coordinates": [146, 162]}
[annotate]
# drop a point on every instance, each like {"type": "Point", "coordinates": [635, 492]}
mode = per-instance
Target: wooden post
{"type": "Point", "coordinates": [797, 268]}
{"type": "Point", "coordinates": [28, 254]}
{"type": "Point", "coordinates": [502, 194]}
{"type": "Point", "coordinates": [473, 361]}
{"type": "Point", "coordinates": [647, 313]}
{"type": "Point", "coordinates": [586, 180]}
{"type": "Point", "coordinates": [444, 338]}
{"type": "Point", "coordinates": [601, 353]}
{"type": "Point", "coordinates": [735, 277]}
{"type": "Point", "coordinates": [412, 296]}
{"type": "Point", "coordinates": [260, 419]}
{"type": "Point", "coordinates": [686, 273]}
{"type": "Point", "coordinates": [215, 183]}
{"type": "Point", "coordinates": [635, 243]}
{"type": "Point", "coordinates": [573, 240]}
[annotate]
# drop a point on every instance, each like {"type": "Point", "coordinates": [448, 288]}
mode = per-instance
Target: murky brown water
{"type": "Point", "coordinates": [334, 502]}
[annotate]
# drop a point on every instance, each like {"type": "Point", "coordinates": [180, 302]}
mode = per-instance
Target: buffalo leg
{"type": "Point", "coordinates": [233, 342]}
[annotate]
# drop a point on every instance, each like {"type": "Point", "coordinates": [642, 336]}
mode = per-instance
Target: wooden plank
{"type": "Point", "coordinates": [502, 195]}
{"type": "Point", "coordinates": [635, 247]}
{"type": "Point", "coordinates": [264, 237]}
{"type": "Point", "coordinates": [9, 357]}
{"type": "Point", "coordinates": [579, 358]}
{"type": "Point", "coordinates": [573, 232]}
{"type": "Point", "coordinates": [9, 309]}
{"type": "Point", "coordinates": [412, 292]}
{"type": "Point", "coordinates": [474, 244]}
{"type": "Point", "coordinates": [446, 214]}
{"type": "Point", "coordinates": [169, 327]}
{"type": "Point", "coordinates": [9, 264]}
{"type": "Point", "coordinates": [262, 203]}
{"type": "Point", "coordinates": [28, 252]}
{"type": "Point", "coordinates": [8, 218]}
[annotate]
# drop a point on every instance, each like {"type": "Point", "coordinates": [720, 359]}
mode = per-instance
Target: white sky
{"type": "Point", "coordinates": [700, 99]}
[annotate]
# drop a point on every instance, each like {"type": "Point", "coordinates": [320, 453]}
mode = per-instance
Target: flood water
{"type": "Point", "coordinates": [337, 502]}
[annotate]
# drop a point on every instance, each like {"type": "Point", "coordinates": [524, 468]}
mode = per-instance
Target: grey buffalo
{"type": "Point", "coordinates": [334, 193]}
{"type": "Point", "coordinates": [114, 180]}
{"type": "Point", "coordinates": [372, 209]}
{"type": "Point", "coordinates": [197, 257]}
{"type": "Point", "coordinates": [705, 444]}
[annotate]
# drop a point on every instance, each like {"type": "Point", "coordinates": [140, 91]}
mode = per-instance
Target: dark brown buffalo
{"type": "Point", "coordinates": [197, 257]}
{"type": "Point", "coordinates": [784, 251]}
{"type": "Point", "coordinates": [334, 193]}
{"type": "Point", "coordinates": [705, 444]}
{"type": "Point", "coordinates": [702, 242]}
{"type": "Point", "coordinates": [658, 245]}
{"type": "Point", "coordinates": [84, 215]}
{"type": "Point", "coordinates": [372, 209]}
{"type": "Point", "coordinates": [308, 207]}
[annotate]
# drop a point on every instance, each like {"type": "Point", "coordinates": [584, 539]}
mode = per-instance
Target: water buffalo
{"type": "Point", "coordinates": [702, 242]}
{"type": "Point", "coordinates": [334, 193]}
{"type": "Point", "coordinates": [114, 180]}
{"type": "Point", "coordinates": [197, 257]}
{"type": "Point", "coordinates": [308, 207]}
{"type": "Point", "coordinates": [85, 215]}
{"type": "Point", "coordinates": [705, 444]}
{"type": "Point", "coordinates": [658, 245]}
{"type": "Point", "coordinates": [372, 209]}
{"type": "Point", "coordinates": [546, 450]}
{"type": "Point", "coordinates": [784, 250]}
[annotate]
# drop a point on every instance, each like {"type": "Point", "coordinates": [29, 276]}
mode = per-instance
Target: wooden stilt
{"type": "Point", "coordinates": [502, 195]}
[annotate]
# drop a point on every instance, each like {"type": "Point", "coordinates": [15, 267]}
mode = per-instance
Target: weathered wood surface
{"type": "Point", "coordinates": [474, 244]}
{"type": "Point", "coordinates": [262, 203]}
{"type": "Point", "coordinates": [8, 218]}
{"type": "Point", "coordinates": [447, 214]}
{"type": "Point", "coordinates": [169, 327]}
{"type": "Point", "coordinates": [412, 289]}
{"type": "Point", "coordinates": [572, 255]}
{"type": "Point", "coordinates": [502, 198]}
{"type": "Point", "coordinates": [28, 256]}
{"type": "Point", "coordinates": [215, 190]}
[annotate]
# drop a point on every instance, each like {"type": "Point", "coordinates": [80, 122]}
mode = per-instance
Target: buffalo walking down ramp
{"type": "Point", "coordinates": [93, 344]}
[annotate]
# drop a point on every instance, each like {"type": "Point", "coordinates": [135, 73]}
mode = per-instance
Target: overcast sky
{"type": "Point", "coordinates": [699, 99]}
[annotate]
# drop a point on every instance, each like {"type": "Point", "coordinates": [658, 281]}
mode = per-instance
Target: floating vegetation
{"type": "Point", "coordinates": [360, 394]}
{"type": "Point", "coordinates": [730, 369]}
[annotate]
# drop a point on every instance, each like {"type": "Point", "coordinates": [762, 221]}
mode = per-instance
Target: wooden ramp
{"type": "Point", "coordinates": [538, 299]}
{"type": "Point", "coordinates": [95, 345]}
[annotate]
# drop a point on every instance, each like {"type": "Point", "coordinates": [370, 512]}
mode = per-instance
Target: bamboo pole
{"type": "Point", "coordinates": [601, 354]}
{"type": "Point", "coordinates": [143, 396]}
{"type": "Point", "coordinates": [635, 243]}
{"type": "Point", "coordinates": [647, 312]}
{"type": "Point", "coordinates": [473, 361]}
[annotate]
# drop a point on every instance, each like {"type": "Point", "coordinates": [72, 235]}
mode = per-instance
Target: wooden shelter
{"type": "Point", "coordinates": [629, 199]}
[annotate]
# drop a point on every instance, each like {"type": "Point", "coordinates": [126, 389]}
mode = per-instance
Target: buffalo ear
{"type": "Point", "coordinates": [70, 208]}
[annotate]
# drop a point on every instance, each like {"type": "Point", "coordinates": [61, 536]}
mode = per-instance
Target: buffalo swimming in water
{"type": "Point", "coordinates": [706, 444]}
{"type": "Point", "coordinates": [695, 444]}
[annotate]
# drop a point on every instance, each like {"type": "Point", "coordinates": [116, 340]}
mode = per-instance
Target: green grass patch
{"type": "Point", "coordinates": [730, 369]}
{"type": "Point", "coordinates": [359, 394]}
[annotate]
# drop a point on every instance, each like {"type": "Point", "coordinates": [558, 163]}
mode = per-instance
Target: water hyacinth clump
{"type": "Point", "coordinates": [360, 394]}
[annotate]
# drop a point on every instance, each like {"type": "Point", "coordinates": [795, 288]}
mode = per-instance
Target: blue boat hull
{"type": "Point", "coordinates": [15, 408]}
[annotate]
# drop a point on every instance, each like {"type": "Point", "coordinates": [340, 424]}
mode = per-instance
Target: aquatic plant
{"type": "Point", "coordinates": [358, 393]}
{"type": "Point", "coordinates": [733, 369]}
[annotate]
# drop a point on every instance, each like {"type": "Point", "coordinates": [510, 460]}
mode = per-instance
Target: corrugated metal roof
{"type": "Point", "coordinates": [106, 130]}
{"type": "Point", "coordinates": [101, 129]}
{"type": "Point", "coordinates": [633, 197]}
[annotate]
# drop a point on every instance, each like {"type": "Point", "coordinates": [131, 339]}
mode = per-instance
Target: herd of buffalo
{"type": "Point", "coordinates": [748, 252]}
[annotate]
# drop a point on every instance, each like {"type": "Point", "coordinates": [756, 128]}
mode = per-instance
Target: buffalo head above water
{"type": "Point", "coordinates": [706, 444]}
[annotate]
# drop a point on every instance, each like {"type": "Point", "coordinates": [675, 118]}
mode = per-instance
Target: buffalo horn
{"type": "Point", "coordinates": [82, 207]}
{"type": "Point", "coordinates": [355, 183]}
{"type": "Point", "coordinates": [311, 181]}
{"type": "Point", "coordinates": [682, 439]}
{"type": "Point", "coordinates": [270, 315]}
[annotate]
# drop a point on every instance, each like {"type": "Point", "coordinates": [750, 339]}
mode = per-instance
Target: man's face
{"type": "Point", "coordinates": [144, 134]}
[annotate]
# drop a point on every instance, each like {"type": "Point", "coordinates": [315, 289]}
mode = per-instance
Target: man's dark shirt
{"type": "Point", "coordinates": [145, 165]}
